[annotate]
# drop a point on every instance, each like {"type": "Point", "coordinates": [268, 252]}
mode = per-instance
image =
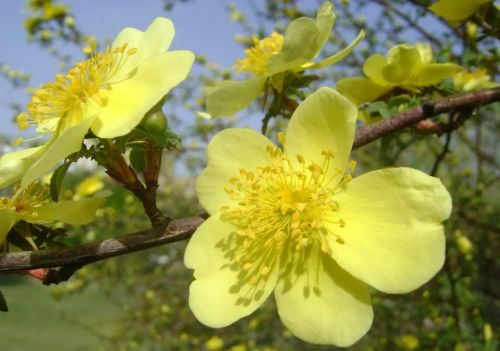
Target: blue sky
{"type": "Point", "coordinates": [202, 26]}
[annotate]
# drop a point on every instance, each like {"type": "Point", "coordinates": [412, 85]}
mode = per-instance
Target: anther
{"type": "Point", "coordinates": [281, 138]}
{"type": "Point", "coordinates": [131, 51]}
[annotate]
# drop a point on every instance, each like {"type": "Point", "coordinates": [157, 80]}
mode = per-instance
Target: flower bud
{"type": "Point", "coordinates": [156, 122]}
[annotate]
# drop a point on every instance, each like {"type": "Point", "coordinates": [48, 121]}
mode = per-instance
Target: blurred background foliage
{"type": "Point", "coordinates": [139, 301]}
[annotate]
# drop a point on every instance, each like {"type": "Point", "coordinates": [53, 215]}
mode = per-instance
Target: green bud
{"type": "Point", "coordinates": [156, 122]}
{"type": "Point", "coordinates": [137, 159]}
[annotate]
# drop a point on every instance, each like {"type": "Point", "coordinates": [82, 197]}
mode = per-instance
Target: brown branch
{"type": "Point", "coordinates": [181, 229]}
{"type": "Point", "coordinates": [176, 230]}
{"type": "Point", "coordinates": [426, 110]}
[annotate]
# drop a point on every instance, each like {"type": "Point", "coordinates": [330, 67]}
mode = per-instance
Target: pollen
{"type": "Point", "coordinates": [67, 98]}
{"type": "Point", "coordinates": [257, 57]}
{"type": "Point", "coordinates": [284, 206]}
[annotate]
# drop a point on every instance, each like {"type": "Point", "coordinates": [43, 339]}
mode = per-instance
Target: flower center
{"type": "Point", "coordinates": [26, 200]}
{"type": "Point", "coordinates": [281, 207]}
{"type": "Point", "coordinates": [256, 58]}
{"type": "Point", "coordinates": [68, 96]}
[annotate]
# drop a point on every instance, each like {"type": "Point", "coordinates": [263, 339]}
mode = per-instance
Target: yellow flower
{"type": "Point", "coordinates": [473, 80]}
{"type": "Point", "coordinates": [89, 186]}
{"type": "Point", "coordinates": [465, 246]}
{"type": "Point", "coordinates": [32, 204]}
{"type": "Point", "coordinates": [214, 343]}
{"type": "Point", "coordinates": [487, 332]}
{"type": "Point", "coordinates": [408, 342]}
{"type": "Point", "coordinates": [409, 67]}
{"type": "Point", "coordinates": [272, 56]}
{"type": "Point", "coordinates": [239, 347]}
{"type": "Point", "coordinates": [455, 11]}
{"type": "Point", "coordinates": [109, 94]}
{"type": "Point", "coordinates": [293, 221]}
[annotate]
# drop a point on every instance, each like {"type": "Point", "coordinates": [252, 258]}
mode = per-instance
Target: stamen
{"type": "Point", "coordinates": [258, 56]}
{"type": "Point", "coordinates": [280, 206]}
{"type": "Point", "coordinates": [26, 200]}
{"type": "Point", "coordinates": [71, 93]}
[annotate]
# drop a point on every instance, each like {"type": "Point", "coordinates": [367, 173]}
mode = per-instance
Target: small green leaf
{"type": "Point", "coordinates": [399, 100]}
{"type": "Point", "coordinates": [57, 179]}
{"type": "Point", "coordinates": [379, 108]}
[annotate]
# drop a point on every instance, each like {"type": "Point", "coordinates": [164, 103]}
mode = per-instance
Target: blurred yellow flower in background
{"type": "Point", "coordinates": [455, 11]}
{"type": "Point", "coordinates": [274, 55]}
{"type": "Point", "coordinates": [409, 67]}
{"type": "Point", "coordinates": [32, 204]}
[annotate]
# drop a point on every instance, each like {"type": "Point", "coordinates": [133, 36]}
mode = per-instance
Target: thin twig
{"type": "Point", "coordinates": [409, 20]}
{"type": "Point", "coordinates": [442, 154]}
{"type": "Point", "coordinates": [455, 303]}
{"type": "Point", "coordinates": [471, 219]}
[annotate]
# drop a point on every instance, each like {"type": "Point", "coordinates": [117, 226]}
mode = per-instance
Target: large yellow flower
{"type": "Point", "coordinates": [409, 67]}
{"type": "Point", "coordinates": [32, 204]}
{"type": "Point", "coordinates": [109, 94]}
{"type": "Point", "coordinates": [274, 55]}
{"type": "Point", "coordinates": [455, 11]}
{"type": "Point", "coordinates": [292, 221]}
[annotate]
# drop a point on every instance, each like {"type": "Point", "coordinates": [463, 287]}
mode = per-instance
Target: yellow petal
{"type": "Point", "coordinates": [393, 235]}
{"type": "Point", "coordinates": [74, 212]}
{"type": "Point", "coordinates": [331, 60]}
{"type": "Point", "coordinates": [304, 38]}
{"type": "Point", "coordinates": [130, 36]}
{"type": "Point", "coordinates": [359, 89]}
{"type": "Point", "coordinates": [129, 100]}
{"type": "Point", "coordinates": [403, 61]}
{"type": "Point", "coordinates": [228, 152]}
{"type": "Point", "coordinates": [324, 304]}
{"type": "Point", "coordinates": [7, 220]}
{"type": "Point", "coordinates": [453, 10]}
{"type": "Point", "coordinates": [434, 73]}
{"type": "Point", "coordinates": [229, 97]}
{"type": "Point", "coordinates": [57, 149]}
{"type": "Point", "coordinates": [156, 40]}
{"type": "Point", "coordinates": [211, 297]}
{"type": "Point", "coordinates": [373, 67]}
{"type": "Point", "coordinates": [14, 165]}
{"type": "Point", "coordinates": [425, 51]}
{"type": "Point", "coordinates": [325, 121]}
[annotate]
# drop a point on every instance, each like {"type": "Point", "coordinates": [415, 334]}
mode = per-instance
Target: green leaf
{"type": "Point", "coordinates": [399, 100]}
{"type": "Point", "coordinates": [377, 109]}
{"type": "Point", "coordinates": [57, 179]}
